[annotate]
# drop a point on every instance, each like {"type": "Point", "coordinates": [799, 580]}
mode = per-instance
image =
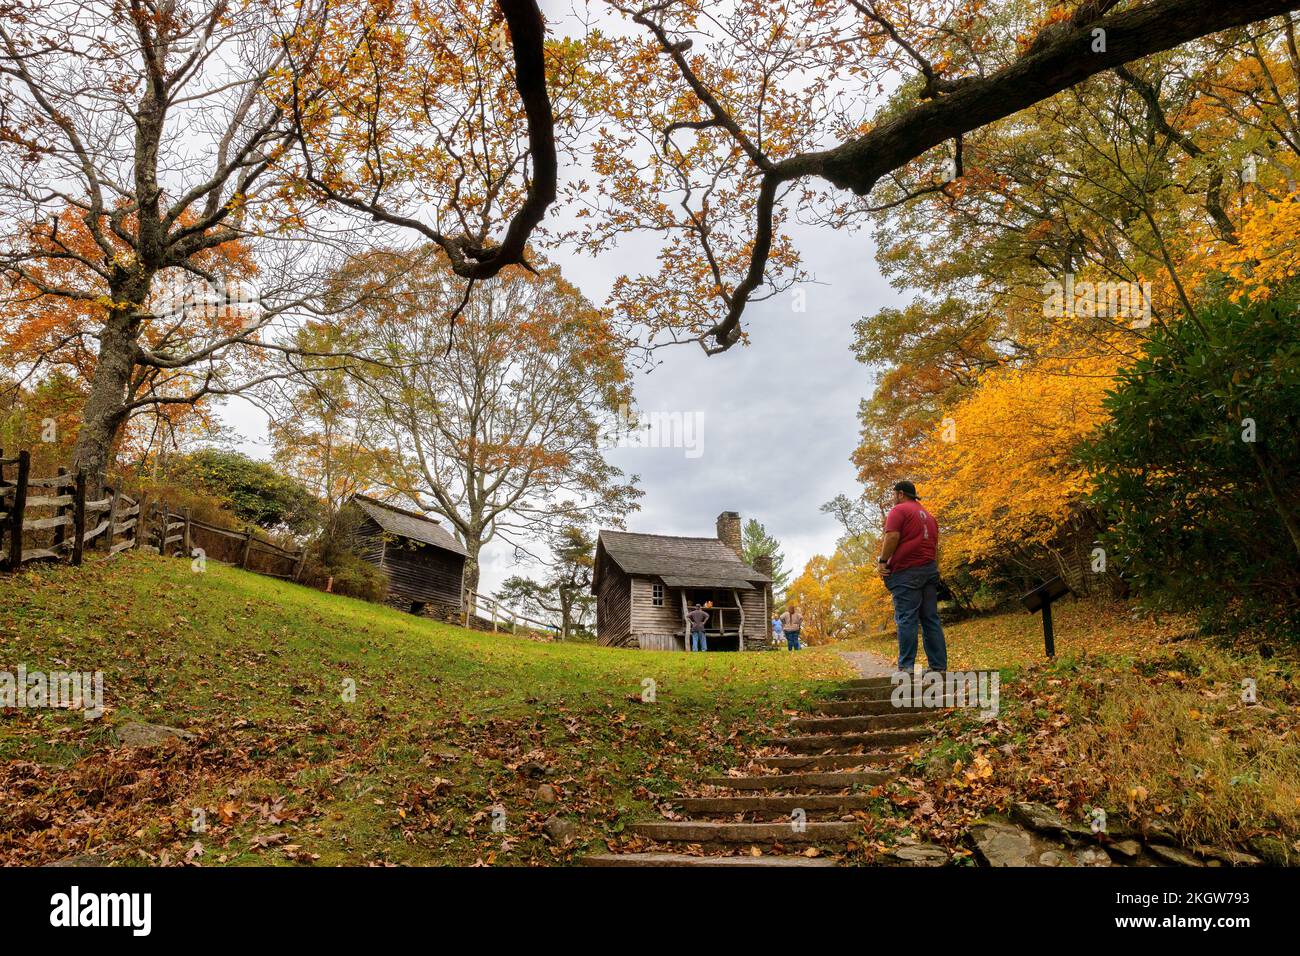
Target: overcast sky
{"type": "Point", "coordinates": [777, 419]}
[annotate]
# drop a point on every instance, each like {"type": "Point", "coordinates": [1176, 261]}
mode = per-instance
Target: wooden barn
{"type": "Point", "coordinates": [645, 583]}
{"type": "Point", "coordinates": [424, 562]}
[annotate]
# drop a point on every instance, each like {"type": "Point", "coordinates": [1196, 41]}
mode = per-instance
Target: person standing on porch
{"type": "Point", "coordinates": [791, 623]}
{"type": "Point", "coordinates": [697, 619]}
{"type": "Point", "coordinates": [911, 574]}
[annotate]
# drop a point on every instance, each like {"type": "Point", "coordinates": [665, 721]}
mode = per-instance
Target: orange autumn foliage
{"type": "Point", "coordinates": [1000, 467]}
{"type": "Point", "coordinates": [44, 335]}
{"type": "Point", "coordinates": [1268, 255]}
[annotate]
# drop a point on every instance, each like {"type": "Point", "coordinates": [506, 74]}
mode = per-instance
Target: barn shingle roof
{"type": "Point", "coordinates": [408, 524]}
{"type": "Point", "coordinates": [680, 562]}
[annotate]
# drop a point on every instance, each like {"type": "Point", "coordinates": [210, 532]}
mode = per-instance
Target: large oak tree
{"type": "Point", "coordinates": [492, 416]}
{"type": "Point", "coordinates": [173, 128]}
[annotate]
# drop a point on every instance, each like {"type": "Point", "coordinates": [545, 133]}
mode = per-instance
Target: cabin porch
{"type": "Point", "coordinates": [725, 626]}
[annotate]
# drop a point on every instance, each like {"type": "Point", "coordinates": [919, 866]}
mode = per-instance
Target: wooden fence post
{"type": "Point", "coordinates": [60, 511]}
{"type": "Point", "coordinates": [302, 560]}
{"type": "Point", "coordinates": [185, 540]}
{"type": "Point", "coordinates": [20, 507]}
{"type": "Point", "coordinates": [112, 521]}
{"type": "Point", "coordinates": [162, 537]}
{"type": "Point", "coordinates": [78, 517]}
{"type": "Point", "coordinates": [141, 520]}
{"type": "Point", "coordinates": [248, 544]}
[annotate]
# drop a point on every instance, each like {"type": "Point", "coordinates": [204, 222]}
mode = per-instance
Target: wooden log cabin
{"type": "Point", "coordinates": [424, 562]}
{"type": "Point", "coordinates": [645, 583]}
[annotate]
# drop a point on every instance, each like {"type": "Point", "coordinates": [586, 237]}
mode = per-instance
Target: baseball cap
{"type": "Point", "coordinates": [907, 488]}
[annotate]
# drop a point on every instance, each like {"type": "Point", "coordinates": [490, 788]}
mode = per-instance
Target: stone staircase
{"type": "Point", "coordinates": [805, 797]}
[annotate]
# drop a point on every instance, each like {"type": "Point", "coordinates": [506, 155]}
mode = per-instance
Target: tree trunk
{"type": "Point", "coordinates": [566, 612]}
{"type": "Point", "coordinates": [1276, 497]}
{"type": "Point", "coordinates": [105, 409]}
{"type": "Point", "coordinates": [471, 572]}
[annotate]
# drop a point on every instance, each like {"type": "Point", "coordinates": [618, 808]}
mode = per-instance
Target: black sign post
{"type": "Point", "coordinates": [1040, 599]}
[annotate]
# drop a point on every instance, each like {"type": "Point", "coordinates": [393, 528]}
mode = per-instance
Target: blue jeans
{"type": "Point", "coordinates": [792, 640]}
{"type": "Point", "coordinates": [698, 641]}
{"type": "Point", "coordinates": [915, 594]}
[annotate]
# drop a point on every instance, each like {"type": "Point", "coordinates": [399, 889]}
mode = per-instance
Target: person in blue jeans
{"type": "Point", "coordinates": [697, 619]}
{"type": "Point", "coordinates": [791, 625]}
{"type": "Point", "coordinates": [911, 573]}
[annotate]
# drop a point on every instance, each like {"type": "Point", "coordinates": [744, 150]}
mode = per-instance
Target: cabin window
{"type": "Point", "coordinates": [657, 595]}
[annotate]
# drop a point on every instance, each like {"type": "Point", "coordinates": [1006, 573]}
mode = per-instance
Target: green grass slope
{"type": "Point", "coordinates": [437, 760]}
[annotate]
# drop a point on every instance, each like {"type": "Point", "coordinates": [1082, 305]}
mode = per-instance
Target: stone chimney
{"type": "Point", "coordinates": [729, 530]}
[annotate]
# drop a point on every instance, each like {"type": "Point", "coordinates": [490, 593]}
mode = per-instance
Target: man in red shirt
{"type": "Point", "coordinates": [907, 563]}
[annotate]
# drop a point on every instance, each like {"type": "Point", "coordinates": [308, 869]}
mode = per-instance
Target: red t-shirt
{"type": "Point", "coordinates": [918, 533]}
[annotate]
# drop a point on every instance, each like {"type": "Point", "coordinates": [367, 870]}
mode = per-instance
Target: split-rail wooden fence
{"type": "Point", "coordinates": [49, 519]}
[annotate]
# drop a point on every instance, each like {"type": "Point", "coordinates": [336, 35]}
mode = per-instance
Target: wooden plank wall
{"type": "Point", "coordinates": [758, 619]}
{"type": "Point", "coordinates": [614, 607]}
{"type": "Point", "coordinates": [367, 539]}
{"type": "Point", "coordinates": [662, 628]}
{"type": "Point", "coordinates": [424, 573]}
{"type": "Point", "coordinates": [656, 622]}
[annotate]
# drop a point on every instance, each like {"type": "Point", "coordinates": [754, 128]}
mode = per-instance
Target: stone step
{"type": "Point", "coordinates": [874, 694]}
{"type": "Point", "coordinates": [831, 761]}
{"type": "Point", "coordinates": [861, 707]}
{"type": "Point", "coordinates": [842, 725]}
{"type": "Point", "coordinates": [782, 805]}
{"type": "Point", "coordinates": [861, 693]}
{"type": "Point", "coordinates": [704, 831]}
{"type": "Point", "coordinates": [802, 781]}
{"type": "Point", "coordinates": [872, 683]}
{"type": "Point", "coordinates": [682, 859]}
{"type": "Point", "coordinates": [843, 743]}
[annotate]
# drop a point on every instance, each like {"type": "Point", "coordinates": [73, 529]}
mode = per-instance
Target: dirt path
{"type": "Point", "coordinates": [869, 663]}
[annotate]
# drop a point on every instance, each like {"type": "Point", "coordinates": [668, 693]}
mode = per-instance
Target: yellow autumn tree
{"type": "Point", "coordinates": [999, 471]}
{"type": "Point", "coordinates": [1268, 254]}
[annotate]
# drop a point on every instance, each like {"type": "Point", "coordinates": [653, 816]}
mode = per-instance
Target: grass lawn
{"type": "Point", "coordinates": [446, 725]}
{"type": "Point", "coordinates": [1016, 638]}
{"type": "Point", "coordinates": [452, 731]}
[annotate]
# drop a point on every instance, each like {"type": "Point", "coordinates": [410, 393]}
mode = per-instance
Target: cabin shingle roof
{"type": "Point", "coordinates": [680, 562]}
{"type": "Point", "coordinates": [408, 524]}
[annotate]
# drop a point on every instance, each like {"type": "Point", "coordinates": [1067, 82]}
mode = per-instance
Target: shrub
{"type": "Point", "coordinates": [330, 555]}
{"type": "Point", "coordinates": [1195, 471]}
{"type": "Point", "coordinates": [256, 491]}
